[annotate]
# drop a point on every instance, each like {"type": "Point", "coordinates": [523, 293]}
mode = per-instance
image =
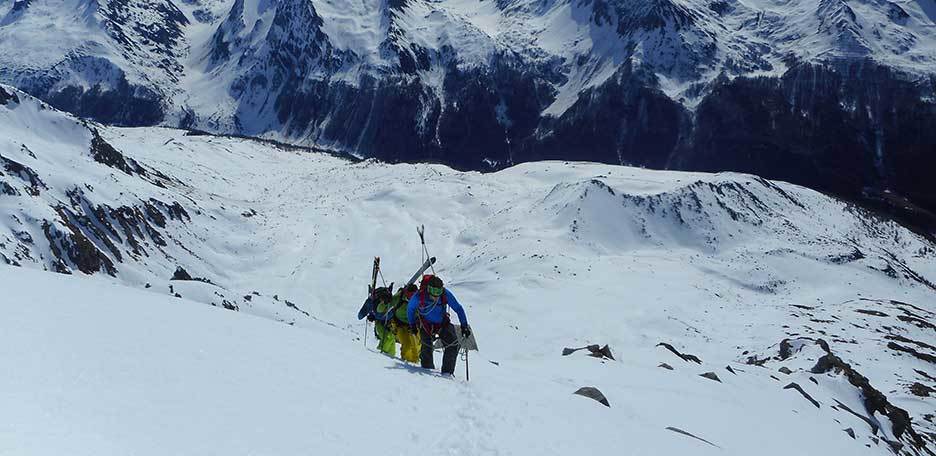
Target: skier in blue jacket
{"type": "Point", "coordinates": [428, 316]}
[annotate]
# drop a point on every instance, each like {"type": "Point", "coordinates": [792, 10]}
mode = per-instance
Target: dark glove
{"type": "Point", "coordinates": [466, 331]}
{"type": "Point", "coordinates": [370, 317]}
{"type": "Point", "coordinates": [414, 329]}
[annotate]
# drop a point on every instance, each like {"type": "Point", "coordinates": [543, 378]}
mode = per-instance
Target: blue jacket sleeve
{"type": "Point", "coordinates": [383, 317]}
{"type": "Point", "coordinates": [454, 304]}
{"type": "Point", "coordinates": [367, 308]}
{"type": "Point", "coordinates": [411, 309]}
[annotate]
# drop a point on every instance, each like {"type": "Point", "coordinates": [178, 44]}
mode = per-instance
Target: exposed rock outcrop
{"type": "Point", "coordinates": [595, 351]}
{"type": "Point", "coordinates": [685, 357]}
{"type": "Point", "coordinates": [874, 400]}
{"type": "Point", "coordinates": [803, 392]}
{"type": "Point", "coordinates": [593, 393]}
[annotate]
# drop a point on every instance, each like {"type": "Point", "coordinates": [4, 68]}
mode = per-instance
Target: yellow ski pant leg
{"type": "Point", "coordinates": [409, 344]}
{"type": "Point", "coordinates": [386, 342]}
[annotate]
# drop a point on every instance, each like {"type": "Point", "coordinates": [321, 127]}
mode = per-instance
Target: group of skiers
{"type": "Point", "coordinates": [414, 317]}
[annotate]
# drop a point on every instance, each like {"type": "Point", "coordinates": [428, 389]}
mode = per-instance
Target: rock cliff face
{"type": "Point", "coordinates": [838, 99]}
{"type": "Point", "coordinates": [856, 130]}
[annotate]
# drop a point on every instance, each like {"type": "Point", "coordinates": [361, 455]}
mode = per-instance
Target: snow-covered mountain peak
{"type": "Point", "coordinates": [150, 34]}
{"type": "Point", "coordinates": [654, 14]}
{"type": "Point", "coordinates": [16, 11]}
{"type": "Point", "coordinates": [685, 41]}
{"type": "Point", "coordinates": [841, 24]}
{"type": "Point", "coordinates": [291, 28]}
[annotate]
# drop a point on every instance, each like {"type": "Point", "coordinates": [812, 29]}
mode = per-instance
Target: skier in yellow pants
{"type": "Point", "coordinates": [409, 342]}
{"type": "Point", "coordinates": [391, 324]}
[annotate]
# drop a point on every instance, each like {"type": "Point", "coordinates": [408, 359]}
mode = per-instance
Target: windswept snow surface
{"type": "Point", "coordinates": [543, 256]}
{"type": "Point", "coordinates": [102, 369]}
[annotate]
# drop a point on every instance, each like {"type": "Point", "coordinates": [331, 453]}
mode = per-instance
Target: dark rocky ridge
{"type": "Point", "coordinates": [117, 103]}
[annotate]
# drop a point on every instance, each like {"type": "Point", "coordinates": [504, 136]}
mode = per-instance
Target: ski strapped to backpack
{"type": "Point", "coordinates": [374, 272]}
{"type": "Point", "coordinates": [421, 230]}
{"type": "Point", "coordinates": [423, 291]}
{"type": "Point", "coordinates": [422, 270]}
{"type": "Point", "coordinates": [371, 289]}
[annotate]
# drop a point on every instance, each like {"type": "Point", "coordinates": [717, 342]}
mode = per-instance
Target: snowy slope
{"type": "Point", "coordinates": [544, 255]}
{"type": "Point", "coordinates": [139, 372]}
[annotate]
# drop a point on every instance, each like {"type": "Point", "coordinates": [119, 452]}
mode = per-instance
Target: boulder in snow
{"type": "Point", "coordinates": [593, 393]}
{"type": "Point", "coordinates": [6, 97]}
{"type": "Point", "coordinates": [594, 349]}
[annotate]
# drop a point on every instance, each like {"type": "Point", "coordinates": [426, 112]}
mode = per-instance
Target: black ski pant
{"type": "Point", "coordinates": [450, 353]}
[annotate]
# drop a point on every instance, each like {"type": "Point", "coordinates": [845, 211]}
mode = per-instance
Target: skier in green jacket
{"type": "Point", "coordinates": [391, 322]}
{"type": "Point", "coordinates": [378, 309]}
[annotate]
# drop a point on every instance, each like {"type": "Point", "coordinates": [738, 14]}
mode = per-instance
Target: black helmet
{"type": "Point", "coordinates": [382, 294]}
{"type": "Point", "coordinates": [435, 287]}
{"type": "Point", "coordinates": [435, 282]}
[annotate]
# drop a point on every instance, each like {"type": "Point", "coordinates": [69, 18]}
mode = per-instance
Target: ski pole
{"type": "Point", "coordinates": [421, 230]}
{"type": "Point", "coordinates": [467, 377]}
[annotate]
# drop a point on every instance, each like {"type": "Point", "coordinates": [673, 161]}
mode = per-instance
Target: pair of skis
{"type": "Point", "coordinates": [422, 269]}
{"type": "Point", "coordinates": [376, 271]}
{"type": "Point", "coordinates": [371, 289]}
